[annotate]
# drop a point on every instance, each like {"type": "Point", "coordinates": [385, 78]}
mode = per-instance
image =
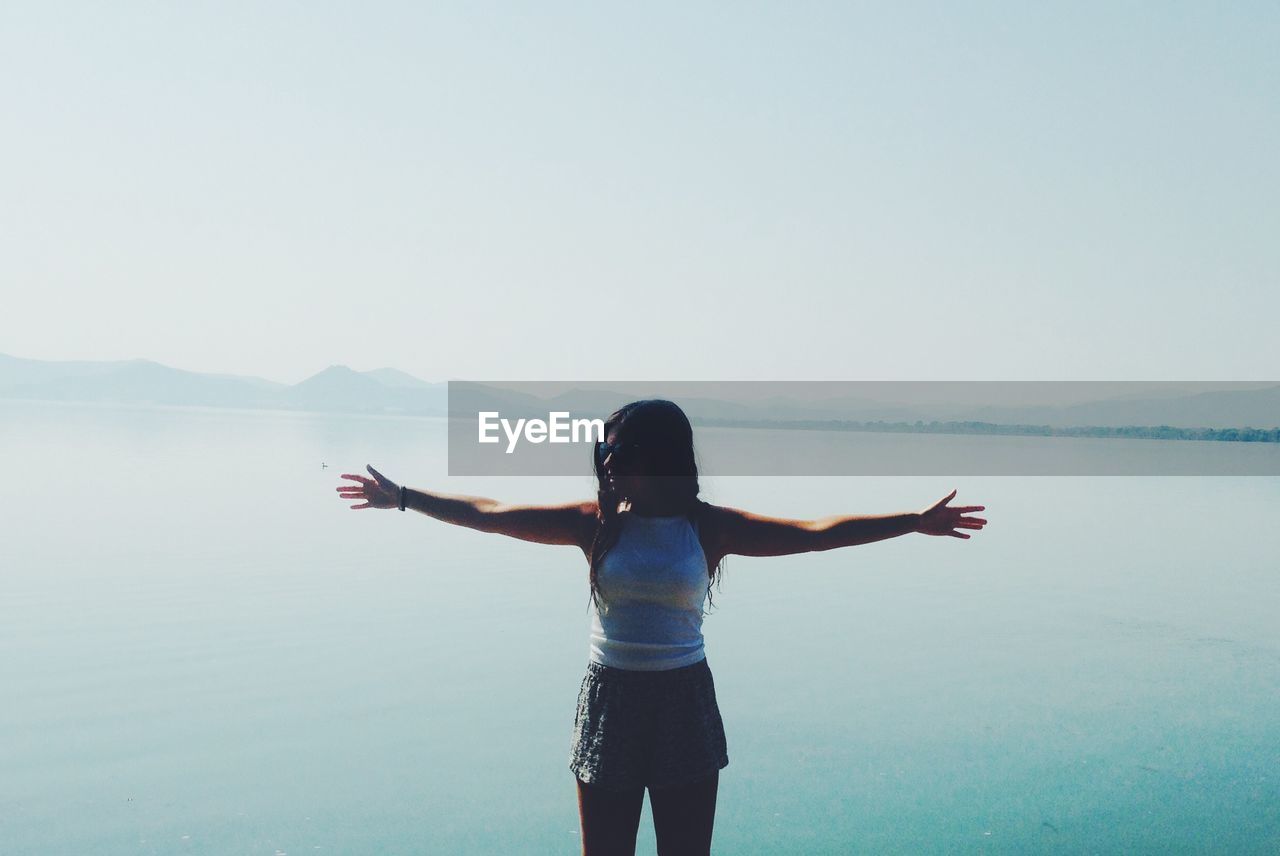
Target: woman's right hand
{"type": "Point", "coordinates": [377, 492]}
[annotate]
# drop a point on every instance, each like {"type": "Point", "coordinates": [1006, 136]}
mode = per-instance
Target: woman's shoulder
{"type": "Point", "coordinates": [709, 521]}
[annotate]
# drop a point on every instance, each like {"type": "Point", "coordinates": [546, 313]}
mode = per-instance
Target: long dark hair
{"type": "Point", "coordinates": [665, 440]}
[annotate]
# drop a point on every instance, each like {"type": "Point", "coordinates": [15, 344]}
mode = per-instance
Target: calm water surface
{"type": "Point", "coordinates": [204, 650]}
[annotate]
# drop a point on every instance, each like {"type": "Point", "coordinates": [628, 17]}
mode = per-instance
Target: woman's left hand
{"type": "Point", "coordinates": [939, 519]}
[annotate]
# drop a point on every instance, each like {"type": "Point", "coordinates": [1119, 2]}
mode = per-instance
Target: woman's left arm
{"type": "Point", "coordinates": [743, 533]}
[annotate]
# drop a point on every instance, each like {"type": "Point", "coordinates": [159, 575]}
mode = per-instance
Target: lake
{"type": "Point", "coordinates": [204, 650]}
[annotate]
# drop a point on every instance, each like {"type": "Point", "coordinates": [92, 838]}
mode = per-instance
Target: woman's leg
{"type": "Point", "coordinates": [609, 819]}
{"type": "Point", "coordinates": [683, 817]}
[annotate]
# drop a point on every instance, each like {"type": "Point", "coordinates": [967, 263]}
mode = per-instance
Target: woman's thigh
{"type": "Point", "coordinates": [609, 819]}
{"type": "Point", "coordinates": [683, 817]}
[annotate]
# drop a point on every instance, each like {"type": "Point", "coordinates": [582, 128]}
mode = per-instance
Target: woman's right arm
{"type": "Point", "coordinates": [566, 523]}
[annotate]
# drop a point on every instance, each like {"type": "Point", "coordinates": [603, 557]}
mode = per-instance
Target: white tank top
{"type": "Point", "coordinates": [653, 582]}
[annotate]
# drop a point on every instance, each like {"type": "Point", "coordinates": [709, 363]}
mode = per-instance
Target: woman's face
{"type": "Point", "coordinates": [625, 470]}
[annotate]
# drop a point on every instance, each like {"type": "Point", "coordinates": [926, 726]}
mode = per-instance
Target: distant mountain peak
{"type": "Point", "coordinates": [338, 374]}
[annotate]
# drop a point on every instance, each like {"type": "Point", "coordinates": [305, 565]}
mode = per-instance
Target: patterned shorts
{"type": "Point", "coordinates": [657, 729]}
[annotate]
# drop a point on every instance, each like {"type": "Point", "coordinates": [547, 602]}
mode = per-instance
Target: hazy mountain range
{"type": "Point", "coordinates": [390, 391]}
{"type": "Point", "coordinates": [336, 388]}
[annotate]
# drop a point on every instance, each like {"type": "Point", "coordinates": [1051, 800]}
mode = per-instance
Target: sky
{"type": "Point", "coordinates": [713, 191]}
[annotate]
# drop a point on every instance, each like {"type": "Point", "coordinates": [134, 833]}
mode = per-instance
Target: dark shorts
{"type": "Point", "coordinates": [656, 729]}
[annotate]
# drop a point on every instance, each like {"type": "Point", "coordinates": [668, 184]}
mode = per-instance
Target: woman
{"type": "Point", "coordinates": [647, 715]}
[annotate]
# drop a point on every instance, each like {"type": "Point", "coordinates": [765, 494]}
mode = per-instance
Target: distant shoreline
{"type": "Point", "coordinates": [1128, 432]}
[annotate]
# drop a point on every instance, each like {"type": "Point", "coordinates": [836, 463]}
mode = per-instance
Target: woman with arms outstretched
{"type": "Point", "coordinates": [647, 715]}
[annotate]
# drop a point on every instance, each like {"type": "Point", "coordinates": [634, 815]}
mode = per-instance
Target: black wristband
{"type": "Point", "coordinates": [402, 497]}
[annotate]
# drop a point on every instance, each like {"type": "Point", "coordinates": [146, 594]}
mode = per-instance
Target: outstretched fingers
{"type": "Point", "coordinates": [355, 491]}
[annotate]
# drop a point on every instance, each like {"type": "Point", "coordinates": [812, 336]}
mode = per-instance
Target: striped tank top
{"type": "Point", "coordinates": [653, 584]}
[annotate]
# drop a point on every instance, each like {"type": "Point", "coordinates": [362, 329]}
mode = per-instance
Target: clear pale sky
{"type": "Point", "coordinates": [715, 191]}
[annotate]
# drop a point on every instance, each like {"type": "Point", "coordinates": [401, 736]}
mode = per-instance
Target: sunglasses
{"type": "Point", "coordinates": [620, 451]}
